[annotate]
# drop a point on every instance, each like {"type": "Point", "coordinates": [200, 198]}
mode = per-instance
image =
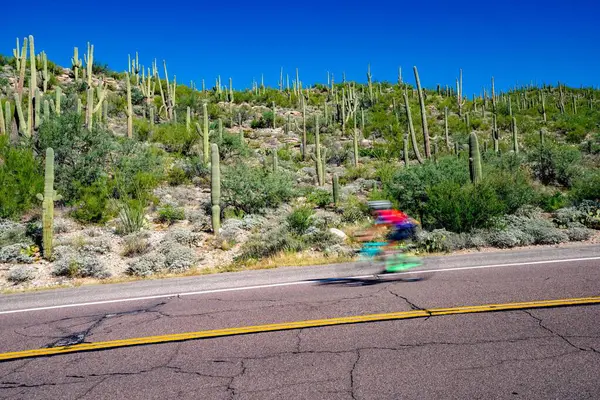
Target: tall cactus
{"type": "Point", "coordinates": [23, 125]}
{"type": "Point", "coordinates": [275, 160]}
{"type": "Point", "coordinates": [188, 118]}
{"type": "Point", "coordinates": [48, 199]}
{"type": "Point", "coordinates": [205, 131]}
{"type": "Point", "coordinates": [446, 133]}
{"type": "Point", "coordinates": [543, 108]}
{"type": "Point", "coordinates": [58, 93]}
{"type": "Point", "coordinates": [355, 143]}
{"type": "Point", "coordinates": [514, 135]}
{"type": "Point", "coordinates": [22, 67]}
{"type": "Point", "coordinates": [215, 188]}
{"type": "Point", "coordinates": [45, 71]}
{"type": "Point", "coordinates": [303, 128]}
{"type": "Point", "coordinates": [474, 159]}
{"type": "Point", "coordinates": [31, 123]}
{"type": "Point", "coordinates": [129, 110]}
{"type": "Point", "coordinates": [411, 129]}
{"type": "Point", "coordinates": [336, 189]}
{"type": "Point", "coordinates": [405, 150]}
{"type": "Point", "coordinates": [89, 62]}
{"type": "Point", "coordinates": [274, 114]}
{"type": "Point", "coordinates": [3, 125]}
{"type": "Point", "coordinates": [423, 115]}
{"type": "Point", "coordinates": [37, 108]}
{"type": "Point", "coordinates": [220, 129]}
{"type": "Point", "coordinates": [495, 134]}
{"type": "Point", "coordinates": [76, 63]}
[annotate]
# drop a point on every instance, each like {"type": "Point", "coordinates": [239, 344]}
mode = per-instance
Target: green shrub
{"type": "Point", "coordinates": [169, 214]}
{"type": "Point", "coordinates": [462, 208]}
{"type": "Point", "coordinates": [175, 138]}
{"type": "Point", "coordinates": [554, 164]}
{"type": "Point", "coordinates": [80, 156]}
{"type": "Point", "coordinates": [300, 219]}
{"type": "Point", "coordinates": [18, 253]}
{"type": "Point", "coordinates": [354, 210]}
{"type": "Point", "coordinates": [12, 232]}
{"type": "Point", "coordinates": [321, 240]}
{"type": "Point", "coordinates": [320, 197]}
{"type": "Point", "coordinates": [141, 129]}
{"type": "Point", "coordinates": [586, 187]}
{"type": "Point", "coordinates": [21, 178]}
{"type": "Point", "coordinates": [231, 145]}
{"type": "Point", "coordinates": [93, 205]}
{"type": "Point", "coordinates": [177, 176]}
{"type": "Point", "coordinates": [254, 189]}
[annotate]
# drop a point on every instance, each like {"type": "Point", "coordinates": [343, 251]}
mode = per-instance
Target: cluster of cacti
{"type": "Point", "coordinates": [48, 199]}
{"type": "Point", "coordinates": [215, 188]}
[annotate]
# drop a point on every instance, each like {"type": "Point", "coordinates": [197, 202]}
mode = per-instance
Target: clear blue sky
{"type": "Point", "coordinates": [515, 41]}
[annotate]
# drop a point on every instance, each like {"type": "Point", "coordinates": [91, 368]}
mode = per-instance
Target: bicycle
{"type": "Point", "coordinates": [389, 261]}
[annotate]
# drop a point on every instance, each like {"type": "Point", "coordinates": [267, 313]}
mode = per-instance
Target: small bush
{"type": "Point", "coordinates": [321, 240]}
{"type": "Point", "coordinates": [21, 274]}
{"type": "Point", "coordinates": [12, 232]}
{"type": "Point", "coordinates": [93, 204]}
{"type": "Point", "coordinates": [554, 164]}
{"type": "Point", "coordinates": [320, 197]}
{"type": "Point", "coordinates": [577, 234]}
{"type": "Point", "coordinates": [177, 176]}
{"type": "Point", "coordinates": [183, 237]}
{"type": "Point", "coordinates": [18, 253]}
{"type": "Point", "coordinates": [300, 219]}
{"type": "Point", "coordinates": [135, 245]}
{"type": "Point", "coordinates": [354, 210]}
{"type": "Point", "coordinates": [265, 245]}
{"type": "Point", "coordinates": [587, 187]}
{"type": "Point", "coordinates": [147, 265]}
{"type": "Point", "coordinates": [169, 214]}
{"type": "Point", "coordinates": [77, 265]}
{"type": "Point", "coordinates": [434, 242]}
{"type": "Point", "coordinates": [504, 239]}
{"type": "Point", "coordinates": [176, 138]}
{"type": "Point", "coordinates": [178, 257]}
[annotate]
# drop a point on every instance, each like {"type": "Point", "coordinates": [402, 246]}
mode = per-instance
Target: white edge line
{"type": "Point", "coordinates": [304, 282]}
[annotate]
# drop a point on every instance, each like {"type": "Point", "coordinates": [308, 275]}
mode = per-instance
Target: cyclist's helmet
{"type": "Point", "coordinates": [377, 205]}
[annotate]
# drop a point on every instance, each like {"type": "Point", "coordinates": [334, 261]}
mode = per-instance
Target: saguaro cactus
{"type": "Point", "coordinates": [474, 159]}
{"type": "Point", "coordinates": [48, 199]}
{"type": "Point", "coordinates": [405, 150]}
{"type": "Point", "coordinates": [129, 110]}
{"type": "Point", "coordinates": [514, 135]}
{"type": "Point", "coordinates": [336, 189]}
{"type": "Point", "coordinates": [89, 62]}
{"type": "Point", "coordinates": [76, 63]}
{"type": "Point", "coordinates": [446, 133]}
{"type": "Point", "coordinates": [304, 130]}
{"type": "Point", "coordinates": [215, 188]}
{"type": "Point", "coordinates": [58, 93]}
{"type": "Point", "coordinates": [495, 135]}
{"type": "Point", "coordinates": [411, 128]}
{"type": "Point", "coordinates": [423, 115]}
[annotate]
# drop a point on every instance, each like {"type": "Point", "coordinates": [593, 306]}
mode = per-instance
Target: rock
{"type": "Point", "coordinates": [338, 233]}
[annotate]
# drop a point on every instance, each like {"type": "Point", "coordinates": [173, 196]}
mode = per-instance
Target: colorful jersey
{"type": "Point", "coordinates": [393, 217]}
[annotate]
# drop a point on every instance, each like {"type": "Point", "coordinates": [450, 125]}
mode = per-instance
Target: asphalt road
{"type": "Point", "coordinates": [527, 353]}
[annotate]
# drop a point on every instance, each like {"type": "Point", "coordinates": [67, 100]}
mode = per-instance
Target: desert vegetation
{"type": "Point", "coordinates": [113, 174]}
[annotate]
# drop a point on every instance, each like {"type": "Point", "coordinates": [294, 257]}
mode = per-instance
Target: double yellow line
{"type": "Point", "coordinates": [433, 312]}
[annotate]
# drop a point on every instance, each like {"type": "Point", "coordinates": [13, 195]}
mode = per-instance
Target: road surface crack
{"type": "Point", "coordinates": [352, 385]}
{"type": "Point", "coordinates": [80, 337]}
{"type": "Point", "coordinates": [564, 338]}
{"type": "Point", "coordinates": [94, 386]}
{"type": "Point", "coordinates": [412, 305]}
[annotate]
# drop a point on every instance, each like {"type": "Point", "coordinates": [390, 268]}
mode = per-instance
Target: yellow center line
{"type": "Point", "coordinates": [296, 325]}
